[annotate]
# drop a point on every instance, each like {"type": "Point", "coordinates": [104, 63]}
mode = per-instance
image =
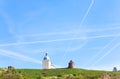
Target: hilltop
{"type": "Point", "coordinates": [62, 73]}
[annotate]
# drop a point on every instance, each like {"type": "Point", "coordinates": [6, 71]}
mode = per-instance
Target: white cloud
{"type": "Point", "coordinates": [18, 56]}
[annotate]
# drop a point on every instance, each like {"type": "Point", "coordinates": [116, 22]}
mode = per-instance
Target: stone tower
{"type": "Point", "coordinates": [46, 63]}
{"type": "Point", "coordinates": [71, 64]}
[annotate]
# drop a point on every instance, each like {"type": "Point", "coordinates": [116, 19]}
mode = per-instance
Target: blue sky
{"type": "Point", "coordinates": [86, 31]}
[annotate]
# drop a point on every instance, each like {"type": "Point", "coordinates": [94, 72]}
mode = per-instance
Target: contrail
{"type": "Point", "coordinates": [82, 45]}
{"type": "Point", "coordinates": [58, 40]}
{"type": "Point", "coordinates": [107, 53]}
{"type": "Point", "coordinates": [84, 17]}
{"type": "Point", "coordinates": [101, 50]}
{"type": "Point", "coordinates": [72, 32]}
{"type": "Point", "coordinates": [88, 10]}
{"type": "Point", "coordinates": [50, 34]}
{"type": "Point", "coordinates": [18, 56]}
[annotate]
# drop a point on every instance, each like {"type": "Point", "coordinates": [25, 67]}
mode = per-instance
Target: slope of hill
{"type": "Point", "coordinates": [55, 74]}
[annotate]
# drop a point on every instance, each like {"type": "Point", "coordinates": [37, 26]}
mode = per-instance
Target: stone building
{"type": "Point", "coordinates": [10, 67]}
{"type": "Point", "coordinates": [114, 69]}
{"type": "Point", "coordinates": [71, 64]}
{"type": "Point", "coordinates": [46, 63]}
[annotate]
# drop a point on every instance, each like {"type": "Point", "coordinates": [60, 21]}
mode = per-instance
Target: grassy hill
{"type": "Point", "coordinates": [62, 73]}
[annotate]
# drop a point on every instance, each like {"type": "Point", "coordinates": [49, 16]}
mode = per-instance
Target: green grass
{"type": "Point", "coordinates": [60, 73]}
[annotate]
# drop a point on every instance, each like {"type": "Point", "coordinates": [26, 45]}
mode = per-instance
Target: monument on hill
{"type": "Point", "coordinates": [46, 63]}
{"type": "Point", "coordinates": [71, 64]}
